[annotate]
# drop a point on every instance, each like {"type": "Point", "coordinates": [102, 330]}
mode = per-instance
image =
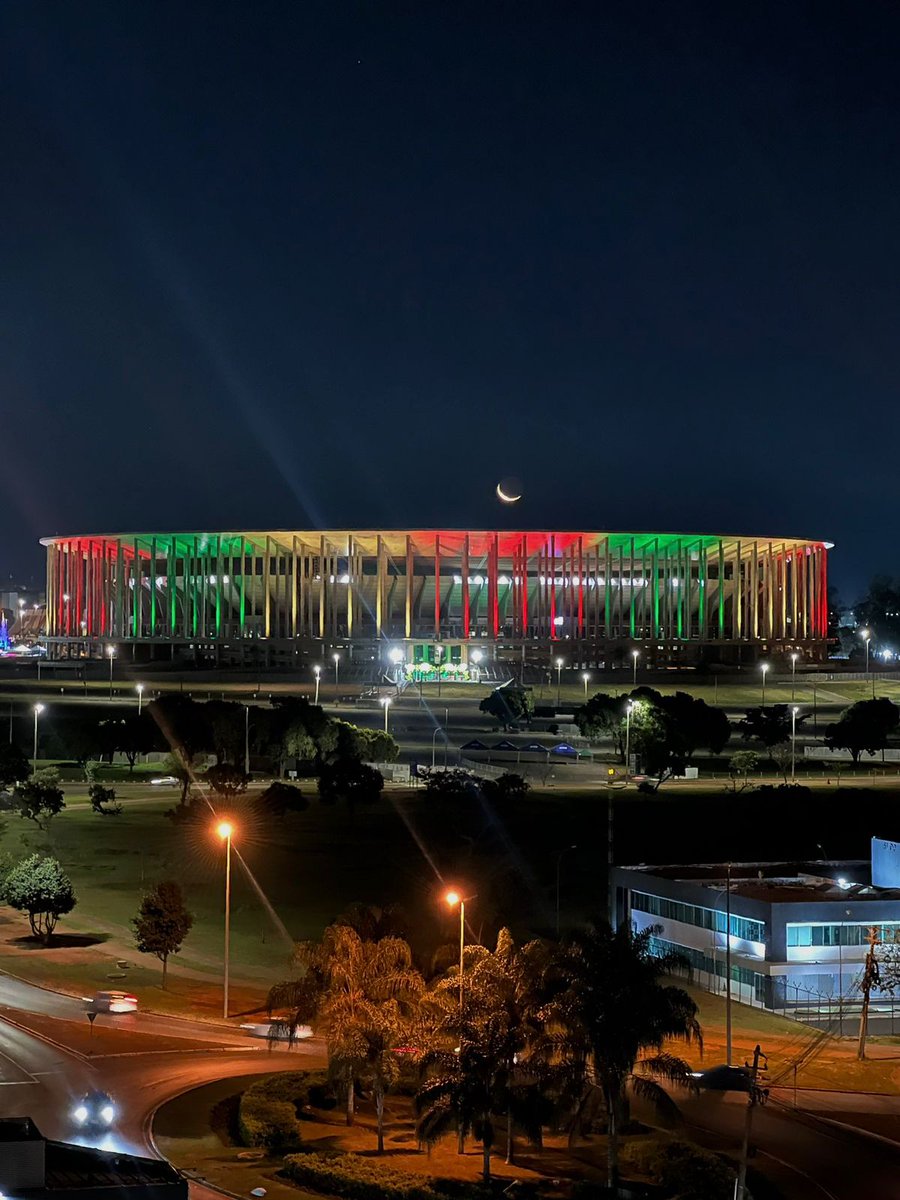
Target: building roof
{"type": "Point", "coordinates": [780, 882]}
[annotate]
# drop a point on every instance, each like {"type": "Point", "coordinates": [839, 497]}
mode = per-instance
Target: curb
{"type": "Point", "coordinates": [48, 1041]}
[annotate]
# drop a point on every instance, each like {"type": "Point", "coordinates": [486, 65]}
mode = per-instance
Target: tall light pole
{"type": "Point", "coordinates": [225, 830]}
{"type": "Point", "coordinates": [38, 709]}
{"type": "Point", "coordinates": [247, 739]}
{"type": "Point", "coordinates": [337, 661]}
{"type": "Point", "coordinates": [454, 898]}
{"type": "Point", "coordinates": [476, 657]}
{"type": "Point", "coordinates": [764, 667]}
{"type": "Point", "coordinates": [559, 667]}
{"type": "Point", "coordinates": [635, 654]}
{"type": "Point", "coordinates": [559, 859]}
{"type": "Point", "coordinates": [794, 711]}
{"type": "Point", "coordinates": [628, 707]}
{"type": "Point", "coordinates": [793, 677]}
{"type": "Point", "coordinates": [111, 655]}
{"type": "Point", "coordinates": [437, 730]}
{"type": "Point", "coordinates": [586, 678]}
{"type": "Point", "coordinates": [386, 701]}
{"type": "Point", "coordinates": [140, 692]}
{"type": "Point", "coordinates": [867, 637]}
{"type": "Point", "coordinates": [317, 671]}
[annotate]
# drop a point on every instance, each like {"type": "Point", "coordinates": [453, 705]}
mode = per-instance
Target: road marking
{"type": "Point", "coordinates": [791, 1167]}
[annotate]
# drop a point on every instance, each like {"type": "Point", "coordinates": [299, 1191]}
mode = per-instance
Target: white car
{"type": "Point", "coordinates": [164, 781]}
{"type": "Point", "coordinates": [278, 1031]}
{"type": "Point", "coordinates": [111, 1002]}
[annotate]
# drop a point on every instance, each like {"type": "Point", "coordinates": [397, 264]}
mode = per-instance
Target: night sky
{"type": "Point", "coordinates": [299, 265]}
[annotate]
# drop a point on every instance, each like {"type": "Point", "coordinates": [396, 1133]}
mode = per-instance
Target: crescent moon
{"type": "Point", "coordinates": [506, 499]}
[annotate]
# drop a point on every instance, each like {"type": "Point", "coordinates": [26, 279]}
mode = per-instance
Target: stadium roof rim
{"type": "Point", "coordinates": [478, 533]}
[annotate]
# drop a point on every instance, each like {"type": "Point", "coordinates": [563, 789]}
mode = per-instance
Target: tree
{"type": "Point", "coordinates": [506, 788]}
{"type": "Point", "coordinates": [509, 704]}
{"type": "Point", "coordinates": [14, 766]}
{"type": "Point", "coordinates": [103, 800]}
{"type": "Point", "coordinates": [866, 725]}
{"type": "Point", "coordinates": [362, 996]}
{"type": "Point", "coordinates": [225, 721]}
{"type": "Point", "coordinates": [603, 716]}
{"type": "Point", "coordinates": [40, 798]}
{"type": "Point", "coordinates": [741, 765]}
{"type": "Point", "coordinates": [770, 726]}
{"type": "Point", "coordinates": [183, 724]}
{"type": "Point", "coordinates": [162, 923]}
{"type": "Point", "coordinates": [136, 735]}
{"type": "Point", "coordinates": [226, 781]}
{"type": "Point", "coordinates": [40, 887]}
{"type": "Point", "coordinates": [473, 1080]}
{"type": "Point", "coordinates": [613, 1013]}
{"type": "Point", "coordinates": [279, 799]}
{"type": "Point", "coordinates": [349, 780]}
{"type": "Point", "coordinates": [666, 731]}
{"type": "Point", "coordinates": [451, 785]}
{"type": "Point", "coordinates": [184, 772]}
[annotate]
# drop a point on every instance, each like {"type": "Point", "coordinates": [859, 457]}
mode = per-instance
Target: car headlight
{"type": "Point", "coordinates": [107, 1112]}
{"type": "Point", "coordinates": [80, 1114]}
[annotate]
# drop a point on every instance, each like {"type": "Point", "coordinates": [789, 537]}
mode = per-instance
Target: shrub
{"type": "Point", "coordinates": [357, 1178]}
{"type": "Point", "coordinates": [682, 1169]}
{"type": "Point", "coordinates": [268, 1113]}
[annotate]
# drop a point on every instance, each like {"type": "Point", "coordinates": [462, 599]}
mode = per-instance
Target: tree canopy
{"type": "Point", "coordinates": [40, 887]}
{"type": "Point", "coordinates": [162, 923]}
{"type": "Point", "coordinates": [864, 726]}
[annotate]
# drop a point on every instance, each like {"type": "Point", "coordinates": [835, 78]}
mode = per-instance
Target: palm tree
{"type": "Point", "coordinates": [362, 996]}
{"type": "Point", "coordinates": [472, 1078]}
{"type": "Point", "coordinates": [614, 1012]}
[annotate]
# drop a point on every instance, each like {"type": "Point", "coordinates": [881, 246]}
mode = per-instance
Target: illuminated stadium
{"type": "Point", "coordinates": [437, 598]}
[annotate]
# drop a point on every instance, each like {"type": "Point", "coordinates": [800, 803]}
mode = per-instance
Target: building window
{"type": "Point", "coordinates": [839, 935]}
{"type": "Point", "coordinates": [693, 914]}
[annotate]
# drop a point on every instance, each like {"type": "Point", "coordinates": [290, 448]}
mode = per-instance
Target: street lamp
{"type": "Point", "coordinates": [794, 712]}
{"type": "Point", "coordinates": [140, 692]}
{"type": "Point", "coordinates": [317, 671]}
{"type": "Point", "coordinates": [38, 709]}
{"type": "Point", "coordinates": [110, 654]}
{"type": "Point", "coordinates": [586, 677]}
{"type": "Point", "coordinates": [635, 654]}
{"type": "Point", "coordinates": [793, 676]}
{"type": "Point", "coordinates": [764, 667]}
{"type": "Point", "coordinates": [559, 667]}
{"type": "Point", "coordinates": [225, 830]}
{"type": "Point", "coordinates": [628, 710]}
{"type": "Point", "coordinates": [386, 701]}
{"type": "Point", "coordinates": [867, 637]}
{"type": "Point", "coordinates": [337, 660]}
{"type": "Point", "coordinates": [454, 898]}
{"type": "Point", "coordinates": [559, 859]}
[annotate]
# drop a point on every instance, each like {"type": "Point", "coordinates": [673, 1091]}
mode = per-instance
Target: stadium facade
{"type": "Point", "coordinates": [437, 596]}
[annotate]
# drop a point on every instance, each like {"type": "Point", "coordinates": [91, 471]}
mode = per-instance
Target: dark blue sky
{"type": "Point", "coordinates": [297, 264]}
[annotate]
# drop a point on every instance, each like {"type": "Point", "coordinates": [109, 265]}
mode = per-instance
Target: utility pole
{"type": "Point", "coordinates": [870, 979]}
{"type": "Point", "coordinates": [757, 1095]}
{"type": "Point", "coordinates": [728, 964]}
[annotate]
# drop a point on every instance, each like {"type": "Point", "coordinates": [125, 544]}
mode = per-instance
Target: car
{"type": "Point", "coordinates": [723, 1078]}
{"type": "Point", "coordinates": [277, 1031]}
{"type": "Point", "coordinates": [164, 781]}
{"type": "Point", "coordinates": [111, 1002]}
{"type": "Point", "coordinates": [95, 1110]}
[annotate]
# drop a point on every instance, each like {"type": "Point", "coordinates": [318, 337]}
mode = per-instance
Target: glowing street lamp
{"type": "Point", "coordinates": [794, 712]}
{"type": "Point", "coordinates": [629, 708]}
{"type": "Point", "coordinates": [110, 654]}
{"type": "Point", "coordinates": [867, 637]}
{"type": "Point", "coordinates": [386, 701]}
{"type": "Point", "coordinates": [225, 830]}
{"type": "Point", "coordinates": [586, 677]}
{"type": "Point", "coordinates": [764, 667]}
{"type": "Point", "coordinates": [337, 660]}
{"type": "Point", "coordinates": [38, 709]}
{"type": "Point", "coordinates": [793, 675]}
{"type": "Point", "coordinates": [476, 657]}
{"type": "Point", "coordinates": [635, 655]}
{"type": "Point", "coordinates": [140, 691]}
{"type": "Point", "coordinates": [453, 898]}
{"type": "Point", "coordinates": [559, 667]}
{"type": "Point", "coordinates": [317, 671]}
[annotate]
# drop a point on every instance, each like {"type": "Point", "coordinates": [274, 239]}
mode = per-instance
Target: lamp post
{"type": "Point", "coordinates": [225, 830]}
{"type": "Point", "coordinates": [111, 654]}
{"type": "Point", "coordinates": [454, 898]}
{"type": "Point", "coordinates": [793, 677]}
{"type": "Point", "coordinates": [140, 692]}
{"type": "Point", "coordinates": [628, 707]}
{"type": "Point", "coordinates": [337, 661]}
{"type": "Point", "coordinates": [794, 711]}
{"type": "Point", "coordinates": [867, 637]}
{"type": "Point", "coordinates": [38, 709]}
{"type": "Point", "coordinates": [317, 671]}
{"type": "Point", "coordinates": [386, 701]}
{"type": "Point", "coordinates": [247, 739]}
{"type": "Point", "coordinates": [437, 730]}
{"type": "Point", "coordinates": [764, 667]}
{"type": "Point", "coordinates": [559, 667]}
{"type": "Point", "coordinates": [586, 678]}
{"type": "Point", "coordinates": [559, 859]}
{"type": "Point", "coordinates": [635, 654]}
{"type": "Point", "coordinates": [476, 657]}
